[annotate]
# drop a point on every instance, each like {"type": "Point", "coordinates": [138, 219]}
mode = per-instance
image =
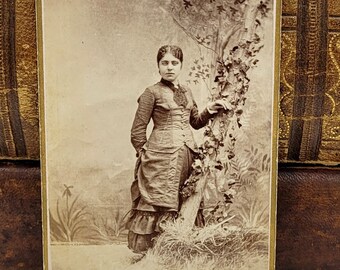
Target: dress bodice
{"type": "Point", "coordinates": [171, 121]}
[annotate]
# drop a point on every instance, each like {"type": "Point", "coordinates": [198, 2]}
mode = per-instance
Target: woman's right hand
{"type": "Point", "coordinates": [139, 152]}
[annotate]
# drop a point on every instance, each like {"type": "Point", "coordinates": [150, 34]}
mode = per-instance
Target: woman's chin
{"type": "Point", "coordinates": [169, 78]}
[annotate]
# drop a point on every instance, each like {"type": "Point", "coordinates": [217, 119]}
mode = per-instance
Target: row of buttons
{"type": "Point", "coordinates": [182, 120]}
{"type": "Point", "coordinates": [182, 116]}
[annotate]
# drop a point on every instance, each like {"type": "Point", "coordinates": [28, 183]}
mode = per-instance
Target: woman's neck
{"type": "Point", "coordinates": [174, 83]}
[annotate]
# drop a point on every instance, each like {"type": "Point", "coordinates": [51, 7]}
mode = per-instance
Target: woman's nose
{"type": "Point", "coordinates": [170, 66]}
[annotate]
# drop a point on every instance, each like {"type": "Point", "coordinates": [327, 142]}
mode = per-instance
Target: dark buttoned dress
{"type": "Point", "coordinates": [164, 160]}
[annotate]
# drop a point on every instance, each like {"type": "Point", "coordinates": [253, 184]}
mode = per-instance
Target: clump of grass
{"type": "Point", "coordinates": [70, 218]}
{"type": "Point", "coordinates": [109, 229]}
{"type": "Point", "coordinates": [215, 246]}
{"type": "Point", "coordinates": [253, 213]}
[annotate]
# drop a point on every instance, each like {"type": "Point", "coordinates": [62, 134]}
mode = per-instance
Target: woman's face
{"type": "Point", "coordinates": [169, 67]}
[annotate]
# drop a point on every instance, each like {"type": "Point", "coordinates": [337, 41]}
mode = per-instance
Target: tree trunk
{"type": "Point", "coordinates": [191, 205]}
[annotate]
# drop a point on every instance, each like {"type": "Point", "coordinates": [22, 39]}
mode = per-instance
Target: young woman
{"type": "Point", "coordinates": [165, 159]}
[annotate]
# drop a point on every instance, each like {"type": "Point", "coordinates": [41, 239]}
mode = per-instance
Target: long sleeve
{"type": "Point", "coordinates": [199, 120]}
{"type": "Point", "coordinates": [142, 118]}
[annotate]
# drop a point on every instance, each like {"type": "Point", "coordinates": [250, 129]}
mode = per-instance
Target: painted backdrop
{"type": "Point", "coordinates": [99, 56]}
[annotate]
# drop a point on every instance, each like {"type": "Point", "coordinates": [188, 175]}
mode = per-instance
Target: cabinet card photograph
{"type": "Point", "coordinates": [159, 133]}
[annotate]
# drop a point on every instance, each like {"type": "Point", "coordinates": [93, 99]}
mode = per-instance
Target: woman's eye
{"type": "Point", "coordinates": [174, 63]}
{"type": "Point", "coordinates": [165, 63]}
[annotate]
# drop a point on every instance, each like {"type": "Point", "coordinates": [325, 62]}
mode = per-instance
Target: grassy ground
{"type": "Point", "coordinates": [210, 248]}
{"type": "Point", "coordinates": [119, 257]}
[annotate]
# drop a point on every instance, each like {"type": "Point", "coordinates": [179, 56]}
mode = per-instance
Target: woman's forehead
{"type": "Point", "coordinates": [169, 57]}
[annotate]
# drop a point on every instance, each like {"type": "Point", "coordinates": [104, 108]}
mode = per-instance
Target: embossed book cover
{"type": "Point", "coordinates": [159, 133]}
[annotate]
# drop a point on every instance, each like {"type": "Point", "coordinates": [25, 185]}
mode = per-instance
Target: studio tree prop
{"type": "Point", "coordinates": [231, 30]}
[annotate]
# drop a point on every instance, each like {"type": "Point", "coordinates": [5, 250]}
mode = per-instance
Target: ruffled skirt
{"type": "Point", "coordinates": [146, 221]}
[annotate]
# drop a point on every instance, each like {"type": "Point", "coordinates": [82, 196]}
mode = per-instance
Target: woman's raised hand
{"type": "Point", "coordinates": [216, 105]}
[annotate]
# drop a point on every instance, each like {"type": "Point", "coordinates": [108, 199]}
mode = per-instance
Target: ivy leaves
{"type": "Point", "coordinates": [220, 9]}
{"type": "Point", "coordinates": [200, 70]}
{"type": "Point", "coordinates": [204, 40]}
{"type": "Point", "coordinates": [227, 79]}
{"type": "Point", "coordinates": [187, 4]}
{"type": "Point", "coordinates": [263, 8]}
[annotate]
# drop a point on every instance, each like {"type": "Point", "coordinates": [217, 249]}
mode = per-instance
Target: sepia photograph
{"type": "Point", "coordinates": [159, 123]}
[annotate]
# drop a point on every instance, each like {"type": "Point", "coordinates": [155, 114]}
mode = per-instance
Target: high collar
{"type": "Point", "coordinates": [170, 84]}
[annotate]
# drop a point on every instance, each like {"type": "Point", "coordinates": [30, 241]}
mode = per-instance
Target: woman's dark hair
{"type": "Point", "coordinates": [174, 50]}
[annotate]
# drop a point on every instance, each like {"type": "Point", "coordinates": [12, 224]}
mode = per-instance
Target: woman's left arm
{"type": "Point", "coordinates": [199, 120]}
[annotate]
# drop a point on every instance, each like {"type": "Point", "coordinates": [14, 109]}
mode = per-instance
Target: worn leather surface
{"type": "Point", "coordinates": [308, 218]}
{"type": "Point", "coordinates": [20, 217]}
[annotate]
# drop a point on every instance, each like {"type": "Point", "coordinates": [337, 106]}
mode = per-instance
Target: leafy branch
{"type": "Point", "coordinates": [231, 84]}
